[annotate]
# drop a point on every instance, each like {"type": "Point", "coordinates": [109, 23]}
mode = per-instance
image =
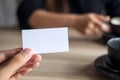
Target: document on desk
{"type": "Point", "coordinates": [49, 40]}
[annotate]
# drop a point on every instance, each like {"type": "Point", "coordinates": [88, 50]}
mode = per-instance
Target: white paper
{"type": "Point", "coordinates": [46, 40]}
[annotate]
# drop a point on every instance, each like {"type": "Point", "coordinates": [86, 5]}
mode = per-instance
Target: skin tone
{"type": "Point", "coordinates": [15, 63]}
{"type": "Point", "coordinates": [88, 24]}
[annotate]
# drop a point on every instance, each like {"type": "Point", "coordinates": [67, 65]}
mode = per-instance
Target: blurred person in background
{"type": "Point", "coordinates": [86, 16]}
{"type": "Point", "coordinates": [15, 63]}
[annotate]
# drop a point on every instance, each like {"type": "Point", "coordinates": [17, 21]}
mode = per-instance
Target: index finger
{"type": "Point", "coordinates": [6, 54]}
{"type": "Point", "coordinates": [101, 24]}
{"type": "Point", "coordinates": [102, 17]}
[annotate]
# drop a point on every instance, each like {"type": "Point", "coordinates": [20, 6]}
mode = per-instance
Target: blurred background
{"type": "Point", "coordinates": [8, 12]}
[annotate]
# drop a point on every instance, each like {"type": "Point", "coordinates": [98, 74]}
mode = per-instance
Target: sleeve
{"type": "Point", "coordinates": [113, 8]}
{"type": "Point", "coordinates": [26, 8]}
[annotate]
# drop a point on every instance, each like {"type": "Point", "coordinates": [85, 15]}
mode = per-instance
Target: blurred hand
{"type": "Point", "coordinates": [17, 62]}
{"type": "Point", "coordinates": [91, 24]}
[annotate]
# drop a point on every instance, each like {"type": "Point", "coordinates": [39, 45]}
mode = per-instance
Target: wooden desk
{"type": "Point", "coordinates": [78, 64]}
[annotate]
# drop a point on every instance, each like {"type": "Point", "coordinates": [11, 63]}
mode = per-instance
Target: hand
{"type": "Point", "coordinates": [17, 62]}
{"type": "Point", "coordinates": [91, 24]}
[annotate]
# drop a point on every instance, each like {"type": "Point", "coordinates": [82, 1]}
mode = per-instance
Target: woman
{"type": "Point", "coordinates": [82, 15]}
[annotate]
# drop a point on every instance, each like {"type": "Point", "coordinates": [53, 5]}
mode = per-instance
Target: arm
{"type": "Point", "coordinates": [85, 23]}
{"type": "Point", "coordinates": [42, 18]}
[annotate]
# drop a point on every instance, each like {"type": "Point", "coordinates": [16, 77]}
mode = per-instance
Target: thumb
{"type": "Point", "coordinates": [17, 61]}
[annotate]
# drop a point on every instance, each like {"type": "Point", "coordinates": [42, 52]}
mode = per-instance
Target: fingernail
{"type": "Point", "coordinates": [27, 52]}
{"type": "Point", "coordinates": [107, 17]}
{"type": "Point", "coordinates": [106, 27]}
{"type": "Point", "coordinates": [37, 64]}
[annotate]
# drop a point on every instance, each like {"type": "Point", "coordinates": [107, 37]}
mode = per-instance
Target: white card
{"type": "Point", "coordinates": [46, 40]}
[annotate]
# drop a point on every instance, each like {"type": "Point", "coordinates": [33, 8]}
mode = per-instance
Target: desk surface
{"type": "Point", "coordinates": [78, 64]}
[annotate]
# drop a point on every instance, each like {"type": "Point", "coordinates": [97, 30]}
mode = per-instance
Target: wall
{"type": "Point", "coordinates": [8, 12]}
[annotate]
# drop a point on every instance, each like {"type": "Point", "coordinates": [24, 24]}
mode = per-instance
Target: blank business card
{"type": "Point", "coordinates": [46, 40]}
